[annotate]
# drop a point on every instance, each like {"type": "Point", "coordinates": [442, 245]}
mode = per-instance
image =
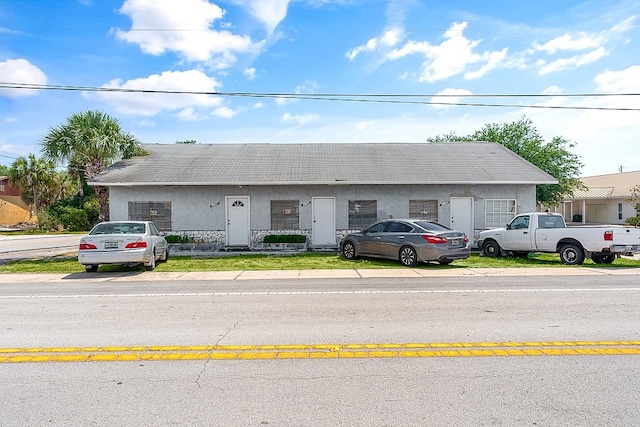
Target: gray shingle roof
{"type": "Point", "coordinates": [355, 163]}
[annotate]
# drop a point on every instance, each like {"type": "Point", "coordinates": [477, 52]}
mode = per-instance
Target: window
{"type": "Point", "coordinates": [398, 227]}
{"type": "Point", "coordinates": [158, 212]}
{"type": "Point", "coordinates": [284, 215]}
{"type": "Point", "coordinates": [498, 212]}
{"type": "Point", "coordinates": [362, 213]}
{"type": "Point", "coordinates": [619, 210]}
{"type": "Point", "coordinates": [520, 222]}
{"type": "Point", "coordinates": [424, 209]}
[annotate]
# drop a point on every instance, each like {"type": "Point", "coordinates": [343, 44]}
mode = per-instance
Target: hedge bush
{"type": "Point", "coordinates": [174, 238]}
{"type": "Point", "coordinates": [285, 238]}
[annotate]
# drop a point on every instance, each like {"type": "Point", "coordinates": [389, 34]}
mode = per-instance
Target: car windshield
{"type": "Point", "coordinates": [432, 226]}
{"type": "Point", "coordinates": [119, 228]}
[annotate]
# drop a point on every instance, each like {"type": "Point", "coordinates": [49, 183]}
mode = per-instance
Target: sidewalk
{"type": "Point", "coordinates": [366, 273]}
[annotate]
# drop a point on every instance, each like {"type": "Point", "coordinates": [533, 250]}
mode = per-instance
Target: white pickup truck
{"type": "Point", "coordinates": [547, 232]}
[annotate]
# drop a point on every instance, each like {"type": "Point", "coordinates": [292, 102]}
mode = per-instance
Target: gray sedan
{"type": "Point", "coordinates": [408, 240]}
{"type": "Point", "coordinates": [123, 242]}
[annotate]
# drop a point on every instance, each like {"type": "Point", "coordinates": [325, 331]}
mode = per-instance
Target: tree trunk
{"type": "Point", "coordinates": [102, 194]}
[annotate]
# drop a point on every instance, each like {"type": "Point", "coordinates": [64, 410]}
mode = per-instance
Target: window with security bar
{"type": "Point", "coordinates": [362, 213]}
{"type": "Point", "coordinates": [424, 209]}
{"type": "Point", "coordinates": [285, 215]}
{"type": "Point", "coordinates": [498, 212]}
{"type": "Point", "coordinates": [158, 212]}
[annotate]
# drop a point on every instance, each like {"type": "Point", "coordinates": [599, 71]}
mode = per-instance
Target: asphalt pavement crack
{"type": "Point", "coordinates": [206, 362]}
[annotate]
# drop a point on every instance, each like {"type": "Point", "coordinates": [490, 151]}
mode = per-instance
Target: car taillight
{"type": "Point", "coordinates": [138, 244]}
{"type": "Point", "coordinates": [87, 246]}
{"type": "Point", "coordinates": [434, 239]}
{"type": "Point", "coordinates": [466, 239]}
{"type": "Point", "coordinates": [608, 236]}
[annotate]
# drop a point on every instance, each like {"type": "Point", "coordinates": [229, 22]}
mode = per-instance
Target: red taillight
{"type": "Point", "coordinates": [138, 244]}
{"type": "Point", "coordinates": [87, 246]}
{"type": "Point", "coordinates": [466, 239]}
{"type": "Point", "coordinates": [434, 239]}
{"type": "Point", "coordinates": [608, 236]}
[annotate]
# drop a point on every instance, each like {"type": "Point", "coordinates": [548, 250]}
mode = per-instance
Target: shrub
{"type": "Point", "coordinates": [75, 213]}
{"type": "Point", "coordinates": [634, 221]}
{"type": "Point", "coordinates": [285, 238]}
{"type": "Point", "coordinates": [174, 238]}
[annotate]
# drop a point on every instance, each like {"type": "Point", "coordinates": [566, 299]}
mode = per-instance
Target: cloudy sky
{"type": "Point", "coordinates": [280, 71]}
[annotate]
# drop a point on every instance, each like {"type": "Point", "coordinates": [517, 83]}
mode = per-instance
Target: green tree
{"type": "Point", "coordinates": [4, 170]}
{"type": "Point", "coordinates": [36, 179]}
{"type": "Point", "coordinates": [634, 199]}
{"type": "Point", "coordinates": [187, 141]}
{"type": "Point", "coordinates": [88, 143]}
{"type": "Point", "coordinates": [553, 157]}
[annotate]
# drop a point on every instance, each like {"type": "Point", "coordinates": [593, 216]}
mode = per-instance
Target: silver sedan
{"type": "Point", "coordinates": [408, 240]}
{"type": "Point", "coordinates": [124, 243]}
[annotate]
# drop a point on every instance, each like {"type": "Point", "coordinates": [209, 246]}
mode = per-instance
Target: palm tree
{"type": "Point", "coordinates": [35, 178]}
{"type": "Point", "coordinates": [89, 142]}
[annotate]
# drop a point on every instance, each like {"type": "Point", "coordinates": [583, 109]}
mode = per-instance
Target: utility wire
{"type": "Point", "coordinates": [366, 98]}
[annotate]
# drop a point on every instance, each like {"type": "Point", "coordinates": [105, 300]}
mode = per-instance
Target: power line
{"type": "Point", "coordinates": [365, 98]}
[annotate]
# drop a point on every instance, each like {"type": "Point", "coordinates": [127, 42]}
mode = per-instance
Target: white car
{"type": "Point", "coordinates": [123, 242]}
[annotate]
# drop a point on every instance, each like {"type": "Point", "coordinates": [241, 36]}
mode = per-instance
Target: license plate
{"type": "Point", "coordinates": [110, 245]}
{"type": "Point", "coordinates": [454, 242]}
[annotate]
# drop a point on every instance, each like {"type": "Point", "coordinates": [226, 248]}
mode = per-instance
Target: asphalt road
{"type": "Point", "coordinates": [13, 247]}
{"type": "Point", "coordinates": [388, 351]}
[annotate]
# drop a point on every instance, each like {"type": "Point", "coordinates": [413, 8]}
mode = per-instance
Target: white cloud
{"type": "Point", "coordinates": [568, 42]}
{"type": "Point", "coordinates": [449, 96]}
{"type": "Point", "coordinates": [149, 104]}
{"type": "Point", "coordinates": [453, 56]}
{"type": "Point", "coordinates": [184, 27]}
{"type": "Point", "coordinates": [388, 39]}
{"type": "Point", "coordinates": [259, 105]}
{"type": "Point", "coordinates": [299, 119]}
{"type": "Point", "coordinates": [20, 71]}
{"type": "Point", "coordinates": [365, 124]}
{"type": "Point", "coordinates": [627, 80]}
{"type": "Point", "coordinates": [224, 112]}
{"type": "Point", "coordinates": [270, 12]}
{"type": "Point", "coordinates": [552, 90]}
{"type": "Point", "coordinates": [593, 43]}
{"type": "Point", "coordinates": [572, 62]}
{"type": "Point", "coordinates": [250, 73]}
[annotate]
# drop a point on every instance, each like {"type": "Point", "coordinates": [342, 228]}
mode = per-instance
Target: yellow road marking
{"type": "Point", "coordinates": [318, 351]}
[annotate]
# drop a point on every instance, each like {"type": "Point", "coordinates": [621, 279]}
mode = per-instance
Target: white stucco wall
{"type": "Point", "coordinates": [203, 208]}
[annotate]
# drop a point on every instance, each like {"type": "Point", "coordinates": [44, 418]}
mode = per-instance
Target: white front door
{"type": "Point", "coordinates": [462, 216]}
{"type": "Point", "coordinates": [323, 229]}
{"type": "Point", "coordinates": [237, 213]}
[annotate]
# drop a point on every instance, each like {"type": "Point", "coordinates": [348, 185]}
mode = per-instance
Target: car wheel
{"type": "Point", "coordinates": [91, 268]}
{"type": "Point", "coordinates": [349, 250]}
{"type": "Point", "coordinates": [152, 264]}
{"type": "Point", "coordinates": [608, 259]}
{"type": "Point", "coordinates": [571, 254]}
{"type": "Point", "coordinates": [408, 256]}
{"type": "Point", "coordinates": [603, 259]}
{"type": "Point", "coordinates": [165, 256]}
{"type": "Point", "coordinates": [491, 248]}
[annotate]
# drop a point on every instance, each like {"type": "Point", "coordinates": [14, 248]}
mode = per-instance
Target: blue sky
{"type": "Point", "coordinates": [308, 48]}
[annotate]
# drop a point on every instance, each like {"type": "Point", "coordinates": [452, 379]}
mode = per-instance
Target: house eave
{"type": "Point", "coordinates": [335, 182]}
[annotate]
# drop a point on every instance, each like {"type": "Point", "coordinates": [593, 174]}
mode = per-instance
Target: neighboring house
{"type": "Point", "coordinates": [603, 201]}
{"type": "Point", "coordinates": [13, 210]}
{"type": "Point", "coordinates": [235, 194]}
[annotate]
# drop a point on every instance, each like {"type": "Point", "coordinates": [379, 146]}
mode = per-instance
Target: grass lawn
{"type": "Point", "coordinates": [307, 261]}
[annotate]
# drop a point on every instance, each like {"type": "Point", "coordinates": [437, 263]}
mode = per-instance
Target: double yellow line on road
{"type": "Point", "coordinates": [318, 351]}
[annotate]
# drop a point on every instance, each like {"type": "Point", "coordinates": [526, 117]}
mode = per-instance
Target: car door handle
{"type": "Point", "coordinates": [525, 232]}
{"type": "Point", "coordinates": [400, 237]}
